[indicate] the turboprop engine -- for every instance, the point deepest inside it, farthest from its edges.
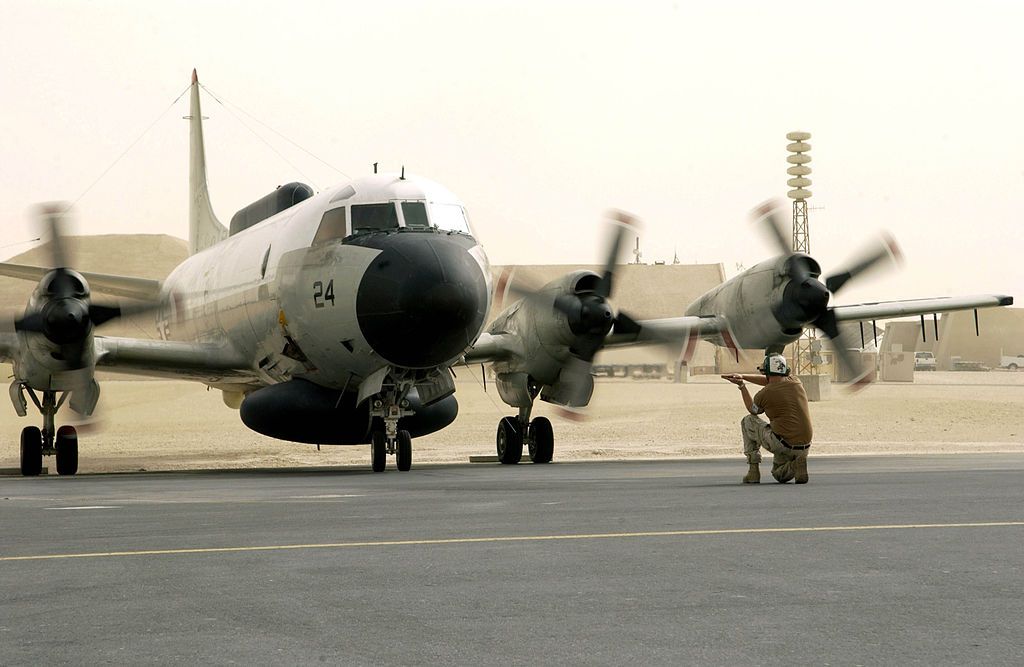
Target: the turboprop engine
(562, 327)
(771, 304)
(58, 325)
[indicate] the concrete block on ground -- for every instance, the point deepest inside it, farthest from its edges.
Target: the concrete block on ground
(818, 387)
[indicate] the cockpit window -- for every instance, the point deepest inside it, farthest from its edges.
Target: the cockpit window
(415, 213)
(449, 217)
(332, 226)
(373, 217)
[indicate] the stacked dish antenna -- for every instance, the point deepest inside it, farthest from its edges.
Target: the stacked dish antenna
(806, 349)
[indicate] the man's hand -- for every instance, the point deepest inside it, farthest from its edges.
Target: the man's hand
(735, 378)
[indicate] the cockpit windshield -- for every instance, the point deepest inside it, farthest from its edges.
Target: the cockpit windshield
(373, 217)
(449, 217)
(415, 214)
(385, 217)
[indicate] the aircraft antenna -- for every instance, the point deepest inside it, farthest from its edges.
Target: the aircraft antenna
(806, 349)
(375, 167)
(402, 177)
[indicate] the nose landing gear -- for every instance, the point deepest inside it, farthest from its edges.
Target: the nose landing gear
(386, 438)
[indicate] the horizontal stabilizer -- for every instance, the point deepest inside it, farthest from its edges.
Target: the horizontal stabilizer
(124, 286)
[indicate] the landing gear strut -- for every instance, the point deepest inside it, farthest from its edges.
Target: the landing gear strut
(48, 441)
(514, 432)
(386, 438)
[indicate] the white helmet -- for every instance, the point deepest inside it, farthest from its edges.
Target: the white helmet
(775, 364)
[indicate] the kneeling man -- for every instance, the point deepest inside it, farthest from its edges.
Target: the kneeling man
(788, 435)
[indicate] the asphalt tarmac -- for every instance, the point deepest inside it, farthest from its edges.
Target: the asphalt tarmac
(879, 560)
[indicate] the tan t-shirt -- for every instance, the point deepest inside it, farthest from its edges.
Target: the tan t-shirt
(785, 404)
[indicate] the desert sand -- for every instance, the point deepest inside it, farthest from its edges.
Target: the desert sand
(166, 425)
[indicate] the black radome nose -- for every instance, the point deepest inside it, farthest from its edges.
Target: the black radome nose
(423, 299)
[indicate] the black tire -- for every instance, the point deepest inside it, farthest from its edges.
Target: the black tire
(66, 444)
(378, 451)
(542, 440)
(403, 453)
(31, 451)
(1013, 367)
(509, 441)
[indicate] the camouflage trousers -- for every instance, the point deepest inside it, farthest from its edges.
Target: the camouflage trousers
(757, 434)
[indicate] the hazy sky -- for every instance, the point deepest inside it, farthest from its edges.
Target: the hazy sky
(541, 115)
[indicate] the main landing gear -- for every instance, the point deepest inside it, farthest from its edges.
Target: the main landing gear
(385, 436)
(49, 441)
(514, 432)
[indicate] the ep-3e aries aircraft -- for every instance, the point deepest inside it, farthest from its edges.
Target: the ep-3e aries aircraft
(335, 318)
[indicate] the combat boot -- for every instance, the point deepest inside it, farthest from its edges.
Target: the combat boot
(753, 475)
(800, 466)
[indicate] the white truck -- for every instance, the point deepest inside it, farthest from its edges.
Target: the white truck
(925, 361)
(1011, 363)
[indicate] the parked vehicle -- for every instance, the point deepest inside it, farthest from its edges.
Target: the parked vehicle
(1011, 363)
(925, 361)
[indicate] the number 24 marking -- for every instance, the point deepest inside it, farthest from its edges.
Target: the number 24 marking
(321, 295)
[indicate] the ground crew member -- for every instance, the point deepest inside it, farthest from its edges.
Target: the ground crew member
(788, 435)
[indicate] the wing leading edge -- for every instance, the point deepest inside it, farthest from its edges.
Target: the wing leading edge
(889, 309)
(203, 362)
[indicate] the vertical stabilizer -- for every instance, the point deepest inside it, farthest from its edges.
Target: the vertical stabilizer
(204, 229)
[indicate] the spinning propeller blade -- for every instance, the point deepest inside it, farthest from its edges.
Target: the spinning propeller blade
(806, 297)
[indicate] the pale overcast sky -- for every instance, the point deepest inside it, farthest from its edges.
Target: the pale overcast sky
(541, 115)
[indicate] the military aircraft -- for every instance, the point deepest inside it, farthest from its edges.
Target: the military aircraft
(336, 317)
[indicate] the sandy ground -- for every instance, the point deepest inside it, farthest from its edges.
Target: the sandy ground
(164, 425)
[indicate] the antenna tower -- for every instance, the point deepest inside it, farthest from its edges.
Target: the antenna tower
(805, 348)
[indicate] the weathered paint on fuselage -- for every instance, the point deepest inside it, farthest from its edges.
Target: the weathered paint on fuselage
(746, 302)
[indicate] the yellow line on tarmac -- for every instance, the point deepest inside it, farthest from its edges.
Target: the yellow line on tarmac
(516, 538)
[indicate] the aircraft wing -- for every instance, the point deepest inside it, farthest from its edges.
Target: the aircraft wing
(494, 347)
(203, 362)
(666, 330)
(500, 347)
(889, 309)
(134, 288)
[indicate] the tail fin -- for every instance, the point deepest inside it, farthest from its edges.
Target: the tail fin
(204, 230)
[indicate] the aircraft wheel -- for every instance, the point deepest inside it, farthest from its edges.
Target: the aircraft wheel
(378, 451)
(31, 451)
(403, 455)
(509, 440)
(542, 440)
(67, 450)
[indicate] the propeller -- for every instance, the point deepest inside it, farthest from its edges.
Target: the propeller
(66, 313)
(589, 315)
(805, 299)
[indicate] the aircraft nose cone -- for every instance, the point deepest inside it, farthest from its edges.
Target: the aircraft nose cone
(423, 299)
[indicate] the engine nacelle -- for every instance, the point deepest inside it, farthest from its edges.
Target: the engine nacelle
(301, 411)
(545, 333)
(753, 304)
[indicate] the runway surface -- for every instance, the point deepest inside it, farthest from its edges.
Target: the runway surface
(882, 560)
